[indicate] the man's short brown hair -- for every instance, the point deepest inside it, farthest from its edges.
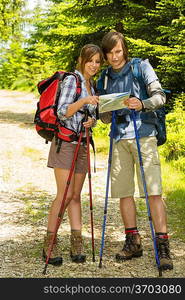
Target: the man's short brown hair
(110, 40)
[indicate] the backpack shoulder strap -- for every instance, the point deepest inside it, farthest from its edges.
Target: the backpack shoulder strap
(78, 83)
(103, 80)
(136, 71)
(135, 66)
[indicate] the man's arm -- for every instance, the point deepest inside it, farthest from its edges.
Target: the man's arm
(157, 97)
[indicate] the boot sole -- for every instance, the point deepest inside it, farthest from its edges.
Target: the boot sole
(56, 261)
(166, 267)
(138, 254)
(78, 258)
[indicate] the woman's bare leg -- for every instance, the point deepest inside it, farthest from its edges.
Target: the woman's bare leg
(61, 177)
(74, 207)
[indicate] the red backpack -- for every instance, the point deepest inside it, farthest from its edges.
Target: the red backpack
(46, 120)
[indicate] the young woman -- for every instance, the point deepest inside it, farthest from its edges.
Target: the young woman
(72, 114)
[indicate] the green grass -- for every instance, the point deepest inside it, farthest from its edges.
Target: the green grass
(174, 190)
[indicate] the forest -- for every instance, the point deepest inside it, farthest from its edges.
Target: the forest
(36, 43)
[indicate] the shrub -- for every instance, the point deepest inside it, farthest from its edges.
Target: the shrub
(174, 148)
(101, 129)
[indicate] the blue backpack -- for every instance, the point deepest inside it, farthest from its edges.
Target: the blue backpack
(157, 117)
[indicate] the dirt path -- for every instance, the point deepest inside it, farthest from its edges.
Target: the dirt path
(27, 189)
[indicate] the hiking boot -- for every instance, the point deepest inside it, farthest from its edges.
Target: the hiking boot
(164, 254)
(77, 247)
(132, 247)
(55, 257)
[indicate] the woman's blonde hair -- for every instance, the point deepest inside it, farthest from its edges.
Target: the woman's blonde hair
(86, 53)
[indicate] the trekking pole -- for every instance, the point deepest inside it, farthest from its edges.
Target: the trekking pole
(90, 191)
(62, 208)
(146, 193)
(107, 190)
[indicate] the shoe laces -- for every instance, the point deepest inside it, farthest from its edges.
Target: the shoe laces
(163, 248)
(129, 242)
(78, 245)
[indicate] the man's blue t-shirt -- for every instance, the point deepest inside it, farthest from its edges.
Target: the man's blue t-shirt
(124, 81)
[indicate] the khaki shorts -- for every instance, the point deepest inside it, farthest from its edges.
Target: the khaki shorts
(125, 164)
(64, 158)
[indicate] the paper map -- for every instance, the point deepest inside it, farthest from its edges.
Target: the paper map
(112, 102)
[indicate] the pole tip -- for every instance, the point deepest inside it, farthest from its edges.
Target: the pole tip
(44, 271)
(100, 264)
(160, 272)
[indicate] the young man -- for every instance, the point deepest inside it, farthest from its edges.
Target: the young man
(125, 155)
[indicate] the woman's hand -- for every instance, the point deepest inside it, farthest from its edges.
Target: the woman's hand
(89, 123)
(91, 100)
(133, 103)
(77, 105)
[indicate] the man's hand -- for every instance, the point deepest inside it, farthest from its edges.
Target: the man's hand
(133, 103)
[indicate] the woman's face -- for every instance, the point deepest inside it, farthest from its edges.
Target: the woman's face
(92, 66)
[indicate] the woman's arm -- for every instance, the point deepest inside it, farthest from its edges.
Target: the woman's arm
(67, 106)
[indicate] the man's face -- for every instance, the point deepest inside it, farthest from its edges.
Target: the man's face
(115, 57)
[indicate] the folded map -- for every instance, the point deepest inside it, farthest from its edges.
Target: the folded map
(110, 102)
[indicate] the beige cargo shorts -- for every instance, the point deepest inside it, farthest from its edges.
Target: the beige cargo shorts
(125, 165)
